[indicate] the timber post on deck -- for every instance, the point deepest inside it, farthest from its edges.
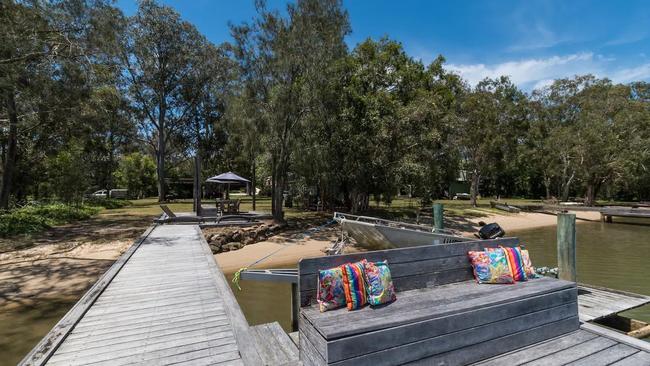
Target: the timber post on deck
(438, 216)
(566, 246)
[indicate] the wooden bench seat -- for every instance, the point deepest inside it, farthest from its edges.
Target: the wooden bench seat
(437, 323)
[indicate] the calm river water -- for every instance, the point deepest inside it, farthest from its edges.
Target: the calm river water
(610, 255)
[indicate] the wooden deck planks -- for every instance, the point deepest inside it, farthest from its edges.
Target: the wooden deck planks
(274, 345)
(168, 304)
(596, 302)
(589, 346)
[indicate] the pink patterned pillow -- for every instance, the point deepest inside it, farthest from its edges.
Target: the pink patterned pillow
(331, 294)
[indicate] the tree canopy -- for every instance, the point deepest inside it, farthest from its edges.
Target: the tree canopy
(93, 99)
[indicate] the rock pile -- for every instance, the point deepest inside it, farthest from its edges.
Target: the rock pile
(233, 238)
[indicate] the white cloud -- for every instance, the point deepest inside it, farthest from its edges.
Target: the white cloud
(641, 72)
(538, 72)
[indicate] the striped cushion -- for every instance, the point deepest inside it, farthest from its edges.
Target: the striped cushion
(354, 284)
(516, 263)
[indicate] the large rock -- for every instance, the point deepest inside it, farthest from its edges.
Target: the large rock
(233, 245)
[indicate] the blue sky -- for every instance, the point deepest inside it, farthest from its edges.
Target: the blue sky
(531, 41)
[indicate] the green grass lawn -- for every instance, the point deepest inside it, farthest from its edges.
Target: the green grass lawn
(401, 208)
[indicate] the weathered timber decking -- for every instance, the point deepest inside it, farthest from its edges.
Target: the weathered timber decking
(597, 302)
(593, 302)
(590, 346)
(274, 345)
(167, 303)
(606, 215)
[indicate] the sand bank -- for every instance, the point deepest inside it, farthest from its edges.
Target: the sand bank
(529, 220)
(62, 263)
(287, 249)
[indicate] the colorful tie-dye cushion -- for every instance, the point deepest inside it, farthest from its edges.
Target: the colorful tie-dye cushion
(499, 268)
(480, 265)
(515, 262)
(380, 283)
(331, 293)
(528, 265)
(354, 284)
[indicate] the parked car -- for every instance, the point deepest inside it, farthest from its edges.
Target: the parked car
(462, 196)
(113, 193)
(102, 193)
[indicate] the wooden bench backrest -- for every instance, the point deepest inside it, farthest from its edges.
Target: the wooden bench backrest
(167, 211)
(411, 268)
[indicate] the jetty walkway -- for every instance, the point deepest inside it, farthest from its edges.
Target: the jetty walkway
(165, 301)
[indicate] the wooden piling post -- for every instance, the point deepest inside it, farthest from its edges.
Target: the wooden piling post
(566, 246)
(295, 306)
(438, 216)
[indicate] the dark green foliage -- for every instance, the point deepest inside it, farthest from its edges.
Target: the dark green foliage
(108, 203)
(37, 218)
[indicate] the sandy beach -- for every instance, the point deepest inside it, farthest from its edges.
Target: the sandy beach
(287, 249)
(66, 261)
(62, 263)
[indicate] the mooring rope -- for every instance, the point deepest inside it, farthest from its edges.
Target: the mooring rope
(237, 276)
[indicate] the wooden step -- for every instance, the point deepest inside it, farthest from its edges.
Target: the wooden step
(274, 345)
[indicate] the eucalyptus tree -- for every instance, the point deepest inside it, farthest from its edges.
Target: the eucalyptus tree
(489, 127)
(48, 54)
(283, 57)
(167, 68)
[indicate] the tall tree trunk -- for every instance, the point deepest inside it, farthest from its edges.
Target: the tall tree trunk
(10, 159)
(547, 186)
(160, 162)
(162, 194)
(277, 197)
(473, 189)
(566, 187)
(589, 195)
(593, 186)
(253, 183)
(273, 183)
(280, 179)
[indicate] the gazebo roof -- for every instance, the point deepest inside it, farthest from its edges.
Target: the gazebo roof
(228, 177)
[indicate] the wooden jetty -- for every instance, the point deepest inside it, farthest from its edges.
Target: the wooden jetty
(442, 317)
(591, 345)
(598, 302)
(607, 214)
(164, 301)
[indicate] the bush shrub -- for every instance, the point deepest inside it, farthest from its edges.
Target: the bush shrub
(31, 219)
(19, 222)
(109, 203)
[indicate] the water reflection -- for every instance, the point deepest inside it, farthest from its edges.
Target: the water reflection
(22, 328)
(609, 255)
